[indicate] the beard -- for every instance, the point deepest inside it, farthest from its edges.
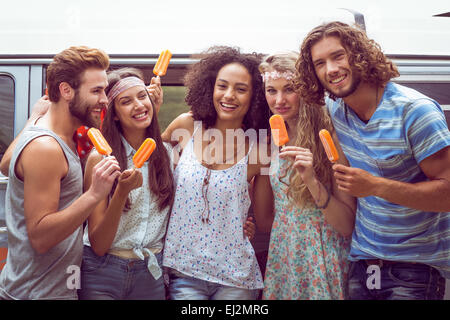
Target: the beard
(354, 85)
(82, 111)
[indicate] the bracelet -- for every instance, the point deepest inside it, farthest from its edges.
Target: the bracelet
(326, 202)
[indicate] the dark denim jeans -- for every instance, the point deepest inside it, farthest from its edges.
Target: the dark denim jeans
(113, 278)
(398, 281)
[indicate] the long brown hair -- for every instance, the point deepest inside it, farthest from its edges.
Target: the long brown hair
(159, 171)
(365, 56)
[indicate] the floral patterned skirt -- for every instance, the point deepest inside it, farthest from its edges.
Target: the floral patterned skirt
(307, 258)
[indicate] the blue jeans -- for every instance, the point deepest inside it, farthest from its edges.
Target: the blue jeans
(113, 278)
(397, 281)
(189, 288)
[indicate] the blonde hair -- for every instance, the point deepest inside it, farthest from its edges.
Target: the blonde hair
(311, 119)
(282, 61)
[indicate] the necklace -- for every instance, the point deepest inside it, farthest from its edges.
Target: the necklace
(207, 177)
(205, 187)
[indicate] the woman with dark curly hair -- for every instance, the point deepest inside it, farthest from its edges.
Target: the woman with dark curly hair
(206, 251)
(398, 145)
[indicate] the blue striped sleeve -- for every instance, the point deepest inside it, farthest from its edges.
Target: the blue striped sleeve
(426, 128)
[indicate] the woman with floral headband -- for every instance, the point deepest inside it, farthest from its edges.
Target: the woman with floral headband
(312, 219)
(125, 233)
(206, 252)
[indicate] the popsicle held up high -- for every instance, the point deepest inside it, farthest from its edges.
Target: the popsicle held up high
(278, 128)
(99, 141)
(144, 152)
(328, 145)
(161, 65)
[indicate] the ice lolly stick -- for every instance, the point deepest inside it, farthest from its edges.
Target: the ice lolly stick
(278, 128)
(328, 145)
(144, 152)
(161, 65)
(99, 141)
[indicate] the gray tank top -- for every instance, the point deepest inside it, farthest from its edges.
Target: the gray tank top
(27, 274)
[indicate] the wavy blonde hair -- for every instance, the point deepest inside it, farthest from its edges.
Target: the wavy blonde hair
(365, 56)
(311, 119)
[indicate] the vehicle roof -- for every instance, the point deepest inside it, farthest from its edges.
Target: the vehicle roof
(186, 27)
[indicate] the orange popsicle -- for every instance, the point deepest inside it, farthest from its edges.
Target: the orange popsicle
(144, 152)
(328, 145)
(99, 141)
(279, 132)
(161, 65)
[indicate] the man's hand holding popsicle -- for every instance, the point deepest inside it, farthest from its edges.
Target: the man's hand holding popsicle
(328, 145)
(107, 170)
(354, 181)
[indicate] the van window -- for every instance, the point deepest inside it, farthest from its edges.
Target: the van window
(6, 112)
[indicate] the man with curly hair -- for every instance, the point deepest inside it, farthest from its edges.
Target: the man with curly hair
(397, 142)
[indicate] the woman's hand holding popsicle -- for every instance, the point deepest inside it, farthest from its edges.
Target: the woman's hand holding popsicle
(303, 161)
(130, 179)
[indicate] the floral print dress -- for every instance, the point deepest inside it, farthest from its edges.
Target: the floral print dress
(307, 258)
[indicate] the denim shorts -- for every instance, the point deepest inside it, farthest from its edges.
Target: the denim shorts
(182, 287)
(397, 281)
(113, 278)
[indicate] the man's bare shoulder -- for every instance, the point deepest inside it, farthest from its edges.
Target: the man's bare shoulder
(42, 154)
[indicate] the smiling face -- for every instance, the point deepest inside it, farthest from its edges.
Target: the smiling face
(282, 98)
(232, 93)
(90, 97)
(331, 64)
(133, 109)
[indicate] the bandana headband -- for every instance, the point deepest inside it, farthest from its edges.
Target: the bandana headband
(274, 75)
(122, 85)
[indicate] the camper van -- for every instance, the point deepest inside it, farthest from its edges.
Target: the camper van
(418, 43)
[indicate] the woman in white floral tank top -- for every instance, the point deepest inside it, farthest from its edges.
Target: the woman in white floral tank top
(207, 254)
